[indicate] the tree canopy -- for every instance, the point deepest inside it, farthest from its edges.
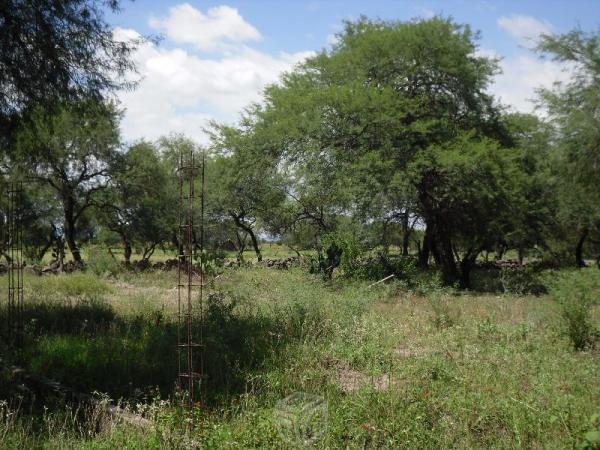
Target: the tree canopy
(57, 52)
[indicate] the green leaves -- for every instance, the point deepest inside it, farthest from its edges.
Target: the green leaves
(573, 109)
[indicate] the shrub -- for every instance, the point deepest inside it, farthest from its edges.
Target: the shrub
(426, 282)
(383, 265)
(486, 279)
(591, 438)
(349, 253)
(442, 317)
(325, 264)
(577, 293)
(211, 262)
(522, 280)
(102, 263)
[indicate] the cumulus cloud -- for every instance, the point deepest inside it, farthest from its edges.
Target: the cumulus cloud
(525, 29)
(220, 27)
(332, 39)
(523, 72)
(181, 87)
(521, 76)
(181, 91)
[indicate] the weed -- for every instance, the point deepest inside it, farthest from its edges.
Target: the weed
(578, 293)
(102, 263)
(443, 316)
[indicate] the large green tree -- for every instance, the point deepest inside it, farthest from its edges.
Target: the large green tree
(573, 109)
(245, 186)
(140, 204)
(71, 150)
(356, 120)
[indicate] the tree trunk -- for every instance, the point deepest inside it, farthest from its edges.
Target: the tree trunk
(450, 273)
(248, 229)
(175, 242)
(424, 251)
(406, 235)
(499, 252)
(70, 231)
(241, 247)
(255, 244)
(466, 265)
(127, 251)
(294, 250)
(384, 235)
(521, 255)
(148, 252)
(42, 252)
(440, 243)
(579, 249)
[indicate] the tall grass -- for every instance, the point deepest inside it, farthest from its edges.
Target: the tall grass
(398, 368)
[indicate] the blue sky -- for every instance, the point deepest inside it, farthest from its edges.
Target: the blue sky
(215, 57)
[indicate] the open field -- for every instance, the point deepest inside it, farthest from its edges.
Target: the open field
(397, 367)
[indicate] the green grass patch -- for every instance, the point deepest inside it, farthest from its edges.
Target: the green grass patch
(397, 368)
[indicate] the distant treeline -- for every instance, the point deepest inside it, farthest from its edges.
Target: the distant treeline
(391, 137)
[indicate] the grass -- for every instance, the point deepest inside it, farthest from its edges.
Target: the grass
(396, 368)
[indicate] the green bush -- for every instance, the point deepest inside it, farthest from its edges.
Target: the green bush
(578, 293)
(426, 282)
(443, 317)
(102, 263)
(211, 262)
(522, 280)
(376, 268)
(591, 438)
(355, 262)
(486, 279)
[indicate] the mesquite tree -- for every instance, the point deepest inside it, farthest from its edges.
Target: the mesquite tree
(71, 150)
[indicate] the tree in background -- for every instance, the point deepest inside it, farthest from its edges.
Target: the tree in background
(351, 124)
(141, 203)
(574, 111)
(245, 186)
(535, 224)
(40, 216)
(71, 151)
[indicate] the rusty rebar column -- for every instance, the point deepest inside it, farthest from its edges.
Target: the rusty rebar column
(14, 253)
(189, 312)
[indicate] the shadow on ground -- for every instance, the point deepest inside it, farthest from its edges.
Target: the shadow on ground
(87, 347)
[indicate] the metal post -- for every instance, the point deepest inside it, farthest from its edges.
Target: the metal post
(190, 362)
(14, 251)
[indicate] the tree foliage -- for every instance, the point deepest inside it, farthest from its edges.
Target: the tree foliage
(71, 150)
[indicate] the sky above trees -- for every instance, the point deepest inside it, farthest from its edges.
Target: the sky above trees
(214, 58)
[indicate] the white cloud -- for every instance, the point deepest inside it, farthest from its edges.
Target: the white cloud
(180, 91)
(521, 76)
(525, 29)
(332, 39)
(219, 27)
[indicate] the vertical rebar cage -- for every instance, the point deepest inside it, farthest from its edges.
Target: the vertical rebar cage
(190, 279)
(13, 241)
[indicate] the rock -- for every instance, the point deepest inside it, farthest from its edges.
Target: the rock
(281, 263)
